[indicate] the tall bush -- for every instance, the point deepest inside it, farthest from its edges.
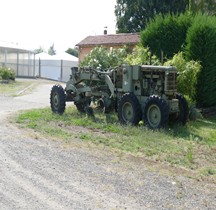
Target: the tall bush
(188, 72)
(201, 45)
(7, 73)
(141, 55)
(167, 34)
(101, 57)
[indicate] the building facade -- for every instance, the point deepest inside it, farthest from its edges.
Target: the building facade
(108, 41)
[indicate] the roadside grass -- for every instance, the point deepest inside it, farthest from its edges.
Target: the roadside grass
(192, 146)
(14, 88)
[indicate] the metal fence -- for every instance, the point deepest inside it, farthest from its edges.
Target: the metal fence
(24, 63)
(21, 61)
(59, 70)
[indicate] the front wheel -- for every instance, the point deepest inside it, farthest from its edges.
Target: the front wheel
(57, 99)
(129, 110)
(156, 112)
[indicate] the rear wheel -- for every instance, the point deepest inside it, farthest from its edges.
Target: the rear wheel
(156, 112)
(81, 106)
(182, 117)
(129, 110)
(57, 99)
(84, 101)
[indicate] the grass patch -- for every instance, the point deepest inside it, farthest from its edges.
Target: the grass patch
(192, 146)
(13, 87)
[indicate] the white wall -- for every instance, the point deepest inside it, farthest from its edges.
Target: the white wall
(54, 69)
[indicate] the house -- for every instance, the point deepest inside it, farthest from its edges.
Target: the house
(107, 40)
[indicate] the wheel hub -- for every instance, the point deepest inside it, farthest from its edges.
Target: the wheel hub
(127, 112)
(56, 100)
(154, 115)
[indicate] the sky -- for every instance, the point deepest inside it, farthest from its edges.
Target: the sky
(40, 23)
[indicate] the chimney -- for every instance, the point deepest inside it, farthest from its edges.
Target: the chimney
(105, 30)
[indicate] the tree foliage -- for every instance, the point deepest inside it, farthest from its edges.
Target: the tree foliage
(100, 57)
(39, 50)
(72, 51)
(133, 15)
(203, 6)
(201, 45)
(51, 50)
(188, 72)
(140, 56)
(196, 36)
(166, 34)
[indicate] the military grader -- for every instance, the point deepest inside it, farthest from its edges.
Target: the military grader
(137, 93)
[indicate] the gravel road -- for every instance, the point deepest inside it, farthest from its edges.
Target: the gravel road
(38, 173)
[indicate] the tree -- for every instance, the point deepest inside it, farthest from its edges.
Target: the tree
(72, 51)
(133, 15)
(39, 50)
(203, 6)
(51, 50)
(201, 45)
(166, 34)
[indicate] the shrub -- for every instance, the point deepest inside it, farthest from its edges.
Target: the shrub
(196, 35)
(7, 73)
(117, 56)
(167, 34)
(201, 45)
(100, 57)
(141, 55)
(188, 74)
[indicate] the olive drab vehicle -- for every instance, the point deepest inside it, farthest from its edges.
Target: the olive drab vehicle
(136, 93)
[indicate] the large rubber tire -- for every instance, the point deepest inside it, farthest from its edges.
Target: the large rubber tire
(57, 99)
(129, 109)
(82, 105)
(184, 110)
(156, 112)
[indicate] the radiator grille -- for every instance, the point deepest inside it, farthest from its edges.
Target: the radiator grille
(171, 83)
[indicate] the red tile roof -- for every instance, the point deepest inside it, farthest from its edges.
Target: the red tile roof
(113, 39)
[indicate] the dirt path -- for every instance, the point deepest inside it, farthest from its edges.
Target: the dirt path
(37, 173)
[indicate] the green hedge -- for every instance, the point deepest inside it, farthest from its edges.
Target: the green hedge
(196, 36)
(167, 34)
(201, 45)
